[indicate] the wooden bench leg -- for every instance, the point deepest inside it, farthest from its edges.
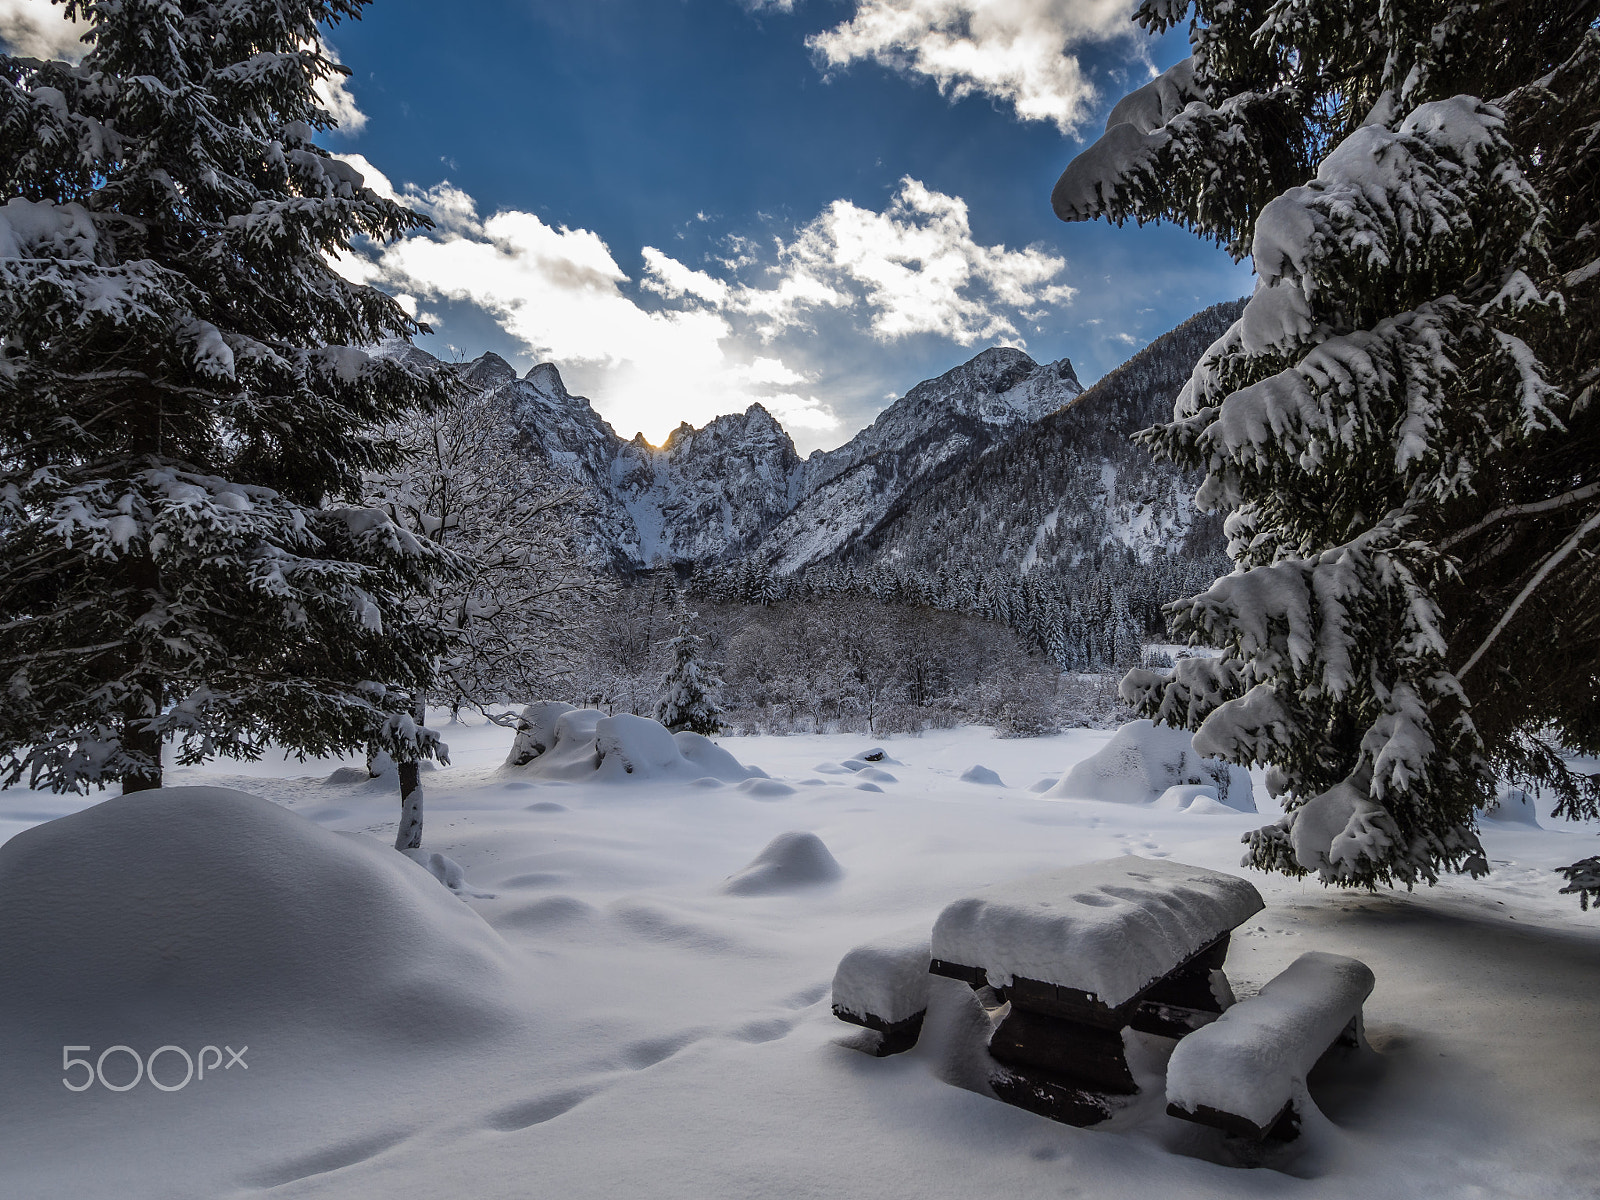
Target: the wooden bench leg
(1285, 1127)
(1082, 1055)
(1060, 1100)
(894, 1037)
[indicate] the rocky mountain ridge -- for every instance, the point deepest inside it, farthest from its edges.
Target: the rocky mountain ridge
(736, 487)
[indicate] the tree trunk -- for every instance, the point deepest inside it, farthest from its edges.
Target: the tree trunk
(139, 739)
(409, 836)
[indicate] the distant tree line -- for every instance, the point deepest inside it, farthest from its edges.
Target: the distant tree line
(1094, 619)
(799, 659)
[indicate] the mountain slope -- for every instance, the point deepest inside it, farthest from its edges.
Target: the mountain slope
(963, 412)
(1067, 489)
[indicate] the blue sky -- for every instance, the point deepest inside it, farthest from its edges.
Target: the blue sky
(690, 205)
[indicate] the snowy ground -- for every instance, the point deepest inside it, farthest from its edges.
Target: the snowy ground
(675, 1040)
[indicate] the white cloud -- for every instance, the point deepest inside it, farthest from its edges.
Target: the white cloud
(560, 292)
(1015, 51)
(334, 92)
(915, 266)
(668, 277)
(682, 343)
(40, 29)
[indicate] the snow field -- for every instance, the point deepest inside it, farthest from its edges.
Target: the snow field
(673, 1040)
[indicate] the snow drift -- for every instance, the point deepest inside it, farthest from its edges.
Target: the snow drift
(1142, 760)
(203, 908)
(790, 860)
(556, 741)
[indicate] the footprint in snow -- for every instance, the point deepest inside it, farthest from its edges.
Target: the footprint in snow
(330, 1158)
(538, 1110)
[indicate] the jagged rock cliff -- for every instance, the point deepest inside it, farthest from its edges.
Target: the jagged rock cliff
(736, 486)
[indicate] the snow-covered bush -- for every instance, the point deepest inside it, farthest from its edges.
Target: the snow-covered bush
(585, 744)
(180, 908)
(1144, 761)
(1400, 428)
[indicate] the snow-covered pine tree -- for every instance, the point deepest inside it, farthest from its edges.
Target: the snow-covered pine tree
(1402, 427)
(687, 689)
(182, 414)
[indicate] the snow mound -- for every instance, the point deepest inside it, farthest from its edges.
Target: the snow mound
(1203, 806)
(1513, 806)
(886, 978)
(766, 789)
(855, 764)
(709, 758)
(791, 860)
(705, 781)
(831, 769)
(1142, 760)
(1181, 796)
(586, 745)
(1251, 1060)
(383, 775)
(877, 776)
(954, 1041)
(866, 785)
(1045, 784)
(1108, 928)
(447, 871)
(536, 731)
(981, 774)
(877, 754)
(212, 911)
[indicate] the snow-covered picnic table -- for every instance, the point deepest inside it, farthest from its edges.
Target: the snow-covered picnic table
(1083, 953)
(1074, 958)
(1092, 939)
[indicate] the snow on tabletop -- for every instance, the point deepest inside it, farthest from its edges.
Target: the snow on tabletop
(1248, 1061)
(886, 977)
(1109, 928)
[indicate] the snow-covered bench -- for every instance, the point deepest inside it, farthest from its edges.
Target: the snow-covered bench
(882, 985)
(1082, 954)
(1241, 1073)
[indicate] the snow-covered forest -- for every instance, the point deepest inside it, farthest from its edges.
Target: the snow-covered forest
(1186, 782)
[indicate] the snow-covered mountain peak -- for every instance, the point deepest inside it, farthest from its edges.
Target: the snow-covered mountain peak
(488, 371)
(736, 486)
(547, 379)
(755, 427)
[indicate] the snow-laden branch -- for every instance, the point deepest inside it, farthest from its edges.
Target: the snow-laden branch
(1575, 496)
(1539, 576)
